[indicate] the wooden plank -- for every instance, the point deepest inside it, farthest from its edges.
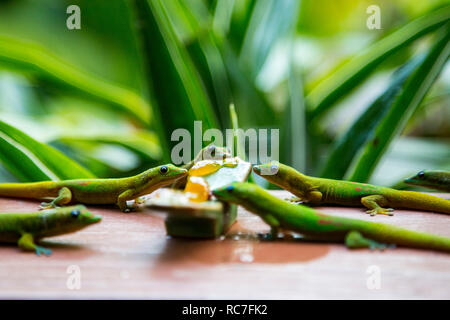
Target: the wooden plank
(129, 256)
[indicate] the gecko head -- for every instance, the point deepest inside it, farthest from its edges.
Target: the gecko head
(64, 220)
(421, 178)
(213, 152)
(236, 192)
(279, 174)
(268, 169)
(169, 171)
(81, 215)
(163, 175)
(229, 193)
(67, 219)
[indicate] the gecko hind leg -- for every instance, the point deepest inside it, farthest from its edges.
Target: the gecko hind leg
(26, 243)
(313, 197)
(274, 228)
(64, 197)
(293, 199)
(374, 203)
(122, 201)
(355, 240)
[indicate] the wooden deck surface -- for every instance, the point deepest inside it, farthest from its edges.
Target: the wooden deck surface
(129, 256)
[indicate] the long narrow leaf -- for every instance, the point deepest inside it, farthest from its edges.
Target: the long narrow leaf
(346, 147)
(205, 54)
(270, 20)
(413, 93)
(31, 160)
(239, 22)
(222, 15)
(245, 94)
(211, 67)
(296, 136)
(21, 163)
(350, 75)
(239, 147)
(143, 143)
(176, 85)
(32, 57)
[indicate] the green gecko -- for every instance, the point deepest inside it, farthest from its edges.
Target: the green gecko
(314, 225)
(210, 152)
(26, 228)
(434, 179)
(95, 191)
(318, 190)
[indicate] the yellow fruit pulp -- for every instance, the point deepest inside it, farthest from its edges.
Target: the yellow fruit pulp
(198, 186)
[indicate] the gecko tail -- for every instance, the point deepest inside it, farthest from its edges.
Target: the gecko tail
(33, 190)
(423, 201)
(405, 238)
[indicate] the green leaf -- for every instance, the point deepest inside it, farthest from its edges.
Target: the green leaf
(295, 137)
(222, 15)
(245, 94)
(211, 67)
(239, 147)
(32, 57)
(21, 163)
(31, 160)
(205, 53)
(293, 131)
(403, 107)
(270, 20)
(239, 22)
(144, 143)
(176, 86)
(351, 74)
(345, 148)
(408, 156)
(83, 154)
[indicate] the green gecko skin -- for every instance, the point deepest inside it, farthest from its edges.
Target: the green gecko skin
(284, 216)
(328, 191)
(210, 152)
(96, 191)
(433, 179)
(27, 228)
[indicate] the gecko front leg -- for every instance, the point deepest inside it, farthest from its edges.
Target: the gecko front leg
(64, 197)
(123, 198)
(274, 226)
(374, 203)
(355, 240)
(26, 243)
(314, 196)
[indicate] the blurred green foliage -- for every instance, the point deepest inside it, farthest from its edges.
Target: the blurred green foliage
(104, 100)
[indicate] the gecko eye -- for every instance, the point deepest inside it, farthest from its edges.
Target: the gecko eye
(273, 168)
(213, 152)
(229, 188)
(75, 213)
(421, 174)
(163, 169)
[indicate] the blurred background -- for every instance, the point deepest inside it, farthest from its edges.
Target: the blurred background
(350, 102)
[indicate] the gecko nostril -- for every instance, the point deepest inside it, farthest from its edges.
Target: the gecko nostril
(75, 213)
